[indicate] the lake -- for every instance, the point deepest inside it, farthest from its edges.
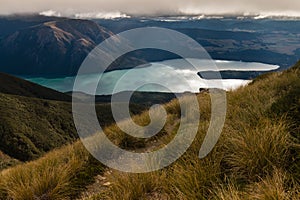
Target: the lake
(172, 74)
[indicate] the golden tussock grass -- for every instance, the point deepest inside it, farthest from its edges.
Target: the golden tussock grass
(257, 156)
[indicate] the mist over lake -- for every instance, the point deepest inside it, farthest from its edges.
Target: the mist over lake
(169, 72)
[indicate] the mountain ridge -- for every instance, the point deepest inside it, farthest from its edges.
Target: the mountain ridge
(54, 48)
(17, 86)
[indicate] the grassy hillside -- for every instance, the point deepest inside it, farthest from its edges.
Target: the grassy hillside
(35, 119)
(257, 156)
(30, 127)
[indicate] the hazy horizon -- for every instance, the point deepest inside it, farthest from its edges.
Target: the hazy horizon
(120, 8)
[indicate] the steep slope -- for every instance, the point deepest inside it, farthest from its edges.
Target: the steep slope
(30, 124)
(53, 48)
(257, 156)
(30, 127)
(35, 119)
(289, 102)
(50, 48)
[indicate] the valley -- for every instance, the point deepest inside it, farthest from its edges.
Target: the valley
(260, 138)
(52, 133)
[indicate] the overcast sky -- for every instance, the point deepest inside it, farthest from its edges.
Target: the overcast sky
(152, 7)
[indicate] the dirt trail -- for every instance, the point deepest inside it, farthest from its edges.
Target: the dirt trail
(102, 183)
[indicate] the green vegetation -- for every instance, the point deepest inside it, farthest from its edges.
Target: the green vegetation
(257, 156)
(35, 119)
(30, 127)
(6, 161)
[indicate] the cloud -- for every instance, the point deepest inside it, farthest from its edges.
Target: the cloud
(150, 7)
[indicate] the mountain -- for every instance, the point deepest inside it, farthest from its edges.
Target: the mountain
(12, 23)
(34, 45)
(55, 47)
(228, 37)
(52, 48)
